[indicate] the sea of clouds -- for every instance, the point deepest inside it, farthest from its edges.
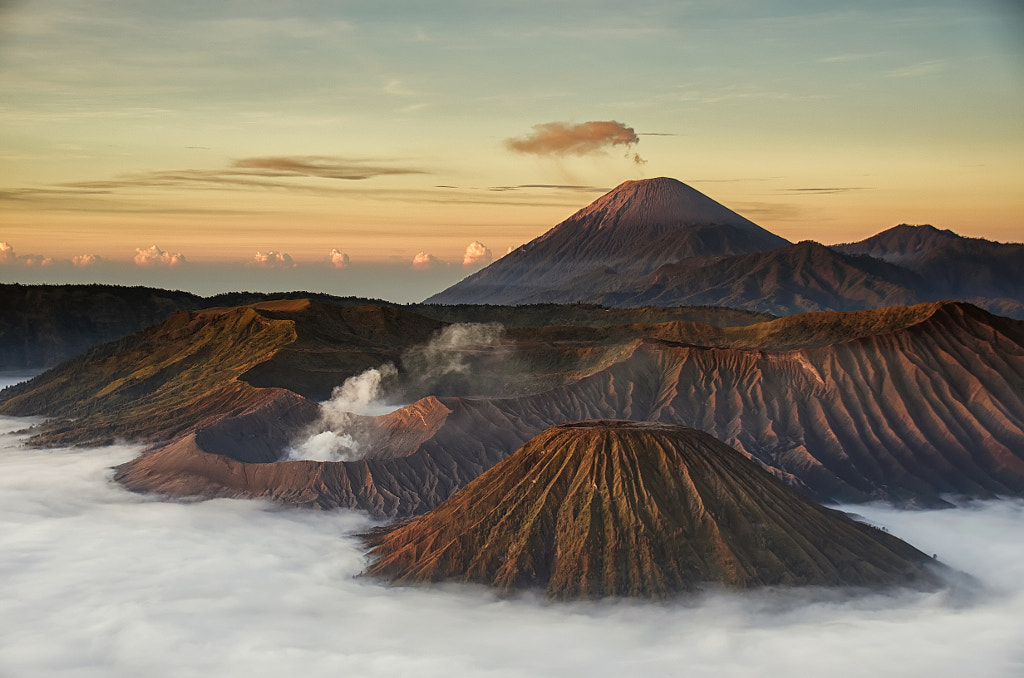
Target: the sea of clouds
(98, 581)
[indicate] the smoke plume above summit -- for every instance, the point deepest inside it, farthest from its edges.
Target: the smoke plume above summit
(563, 138)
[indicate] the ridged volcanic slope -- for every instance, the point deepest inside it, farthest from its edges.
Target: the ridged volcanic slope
(614, 508)
(913, 405)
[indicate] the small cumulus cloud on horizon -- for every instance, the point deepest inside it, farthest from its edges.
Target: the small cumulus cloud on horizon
(8, 257)
(153, 256)
(86, 260)
(477, 254)
(339, 259)
(563, 138)
(272, 259)
(424, 261)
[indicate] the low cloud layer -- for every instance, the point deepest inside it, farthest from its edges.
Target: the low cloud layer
(98, 581)
(563, 138)
(153, 256)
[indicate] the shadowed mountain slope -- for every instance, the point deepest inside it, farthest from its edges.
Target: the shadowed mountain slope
(614, 508)
(799, 278)
(973, 269)
(901, 404)
(200, 367)
(901, 244)
(43, 325)
(621, 236)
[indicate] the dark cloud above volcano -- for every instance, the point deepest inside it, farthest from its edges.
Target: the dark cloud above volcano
(563, 138)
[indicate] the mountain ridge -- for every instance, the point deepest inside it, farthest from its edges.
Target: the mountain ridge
(708, 255)
(907, 405)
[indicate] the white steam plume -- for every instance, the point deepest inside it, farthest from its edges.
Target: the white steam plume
(448, 352)
(331, 438)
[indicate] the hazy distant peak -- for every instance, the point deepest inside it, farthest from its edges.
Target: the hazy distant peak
(901, 242)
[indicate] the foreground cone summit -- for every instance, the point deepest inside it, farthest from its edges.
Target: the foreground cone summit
(620, 508)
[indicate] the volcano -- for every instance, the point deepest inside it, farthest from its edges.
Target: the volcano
(621, 508)
(660, 242)
(620, 237)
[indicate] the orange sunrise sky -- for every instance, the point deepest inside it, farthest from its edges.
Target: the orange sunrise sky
(325, 145)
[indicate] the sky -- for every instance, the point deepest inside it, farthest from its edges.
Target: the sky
(96, 581)
(388, 148)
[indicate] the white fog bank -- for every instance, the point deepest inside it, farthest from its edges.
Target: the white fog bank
(96, 582)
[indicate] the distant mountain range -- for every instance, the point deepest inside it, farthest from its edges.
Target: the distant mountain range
(660, 242)
(43, 325)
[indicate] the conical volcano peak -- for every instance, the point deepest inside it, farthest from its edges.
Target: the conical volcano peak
(659, 201)
(622, 508)
(615, 241)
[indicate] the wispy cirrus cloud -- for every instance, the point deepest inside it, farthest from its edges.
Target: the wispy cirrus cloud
(919, 69)
(848, 56)
(267, 172)
(560, 187)
(325, 167)
(824, 190)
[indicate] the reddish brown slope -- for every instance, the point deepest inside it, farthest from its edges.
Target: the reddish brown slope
(619, 508)
(910, 407)
(936, 407)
